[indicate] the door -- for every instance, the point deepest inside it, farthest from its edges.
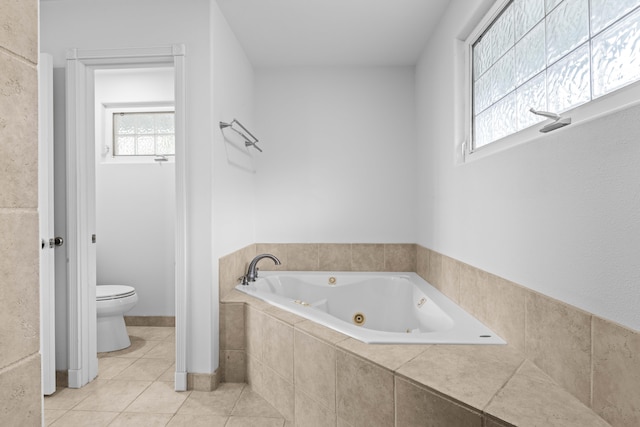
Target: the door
(45, 213)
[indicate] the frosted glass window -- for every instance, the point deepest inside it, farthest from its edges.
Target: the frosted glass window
(550, 55)
(143, 134)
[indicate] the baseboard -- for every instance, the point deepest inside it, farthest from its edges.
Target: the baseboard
(150, 320)
(62, 379)
(203, 382)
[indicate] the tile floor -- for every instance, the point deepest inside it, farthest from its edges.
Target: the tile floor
(135, 388)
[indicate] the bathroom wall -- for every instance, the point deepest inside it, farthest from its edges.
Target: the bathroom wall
(559, 215)
(20, 390)
(339, 162)
(135, 202)
(67, 24)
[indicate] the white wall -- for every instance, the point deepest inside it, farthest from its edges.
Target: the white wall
(135, 202)
(338, 162)
(560, 215)
(100, 24)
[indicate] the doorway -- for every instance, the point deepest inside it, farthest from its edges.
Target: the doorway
(82, 68)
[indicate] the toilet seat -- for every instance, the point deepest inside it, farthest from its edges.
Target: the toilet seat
(111, 292)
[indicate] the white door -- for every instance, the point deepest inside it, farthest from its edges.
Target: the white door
(45, 212)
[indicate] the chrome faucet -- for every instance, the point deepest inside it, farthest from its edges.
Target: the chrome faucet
(252, 271)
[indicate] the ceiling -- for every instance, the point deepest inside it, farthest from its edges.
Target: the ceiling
(289, 33)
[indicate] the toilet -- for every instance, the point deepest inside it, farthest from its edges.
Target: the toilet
(112, 301)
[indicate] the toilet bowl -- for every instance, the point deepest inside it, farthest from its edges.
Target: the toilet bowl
(112, 301)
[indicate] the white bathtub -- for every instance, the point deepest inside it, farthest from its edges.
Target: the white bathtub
(391, 308)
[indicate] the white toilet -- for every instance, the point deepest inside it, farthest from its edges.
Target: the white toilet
(112, 301)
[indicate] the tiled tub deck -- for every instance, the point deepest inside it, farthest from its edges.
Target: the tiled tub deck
(318, 377)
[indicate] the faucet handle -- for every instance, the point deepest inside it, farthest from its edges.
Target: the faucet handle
(243, 280)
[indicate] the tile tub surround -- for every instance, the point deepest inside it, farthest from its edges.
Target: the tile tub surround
(20, 391)
(585, 355)
(315, 376)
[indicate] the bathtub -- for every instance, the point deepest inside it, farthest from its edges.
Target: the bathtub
(376, 308)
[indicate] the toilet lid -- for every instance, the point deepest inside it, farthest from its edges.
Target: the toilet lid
(106, 292)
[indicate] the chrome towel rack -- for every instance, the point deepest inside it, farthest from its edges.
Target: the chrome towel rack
(249, 141)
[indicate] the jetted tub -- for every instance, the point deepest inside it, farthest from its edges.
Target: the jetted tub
(380, 308)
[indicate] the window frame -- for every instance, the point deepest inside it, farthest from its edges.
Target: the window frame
(106, 156)
(615, 101)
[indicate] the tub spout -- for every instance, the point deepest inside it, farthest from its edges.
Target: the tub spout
(252, 271)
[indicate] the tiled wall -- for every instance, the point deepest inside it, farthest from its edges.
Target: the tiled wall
(595, 360)
(20, 392)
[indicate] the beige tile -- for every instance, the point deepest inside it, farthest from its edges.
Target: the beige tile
(302, 257)
(109, 367)
(150, 333)
(229, 272)
(364, 392)
(254, 375)
(473, 285)
(435, 269)
(169, 375)
(285, 316)
(201, 381)
(51, 415)
(67, 398)
(322, 332)
(84, 419)
(158, 321)
(400, 257)
(20, 325)
(112, 395)
(130, 419)
(164, 350)
(415, 406)
(422, 262)
(189, 420)
(367, 257)
(145, 370)
(558, 340)
(335, 257)
(137, 349)
(18, 134)
(20, 394)
(217, 402)
(278, 392)
(310, 413)
(254, 422)
(159, 398)
(233, 366)
(251, 404)
(343, 423)
(531, 398)
(315, 369)
(277, 347)
(470, 374)
(20, 29)
(450, 278)
(232, 326)
(278, 250)
(254, 319)
(490, 422)
(389, 356)
(616, 373)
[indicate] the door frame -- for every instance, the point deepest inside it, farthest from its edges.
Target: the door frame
(80, 146)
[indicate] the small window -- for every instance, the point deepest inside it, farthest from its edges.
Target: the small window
(549, 55)
(143, 134)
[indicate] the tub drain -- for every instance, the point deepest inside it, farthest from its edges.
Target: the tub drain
(359, 319)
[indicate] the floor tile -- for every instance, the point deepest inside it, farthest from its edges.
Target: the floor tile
(251, 404)
(129, 419)
(149, 333)
(67, 398)
(85, 419)
(137, 349)
(50, 415)
(164, 350)
(113, 396)
(254, 422)
(190, 420)
(145, 370)
(218, 402)
(158, 398)
(169, 375)
(109, 367)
